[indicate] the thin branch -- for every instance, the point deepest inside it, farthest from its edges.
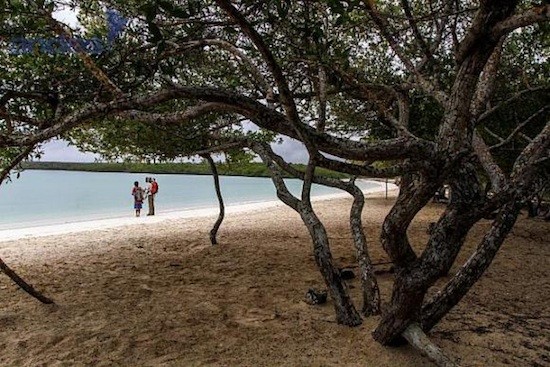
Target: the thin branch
(95, 70)
(385, 29)
(254, 36)
(417, 35)
(485, 115)
(519, 127)
(257, 74)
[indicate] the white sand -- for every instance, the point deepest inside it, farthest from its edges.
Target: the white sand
(100, 224)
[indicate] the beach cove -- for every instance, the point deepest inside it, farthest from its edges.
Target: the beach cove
(160, 295)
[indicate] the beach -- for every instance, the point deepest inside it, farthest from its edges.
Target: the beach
(154, 292)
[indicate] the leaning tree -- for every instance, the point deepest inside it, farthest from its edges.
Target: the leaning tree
(434, 90)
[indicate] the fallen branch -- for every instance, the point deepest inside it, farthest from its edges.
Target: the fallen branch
(24, 285)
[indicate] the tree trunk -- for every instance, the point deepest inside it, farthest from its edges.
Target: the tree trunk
(412, 197)
(444, 300)
(216, 227)
(346, 314)
(404, 308)
(371, 293)
(446, 239)
(24, 285)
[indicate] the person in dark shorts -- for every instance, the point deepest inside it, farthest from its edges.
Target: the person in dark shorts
(138, 194)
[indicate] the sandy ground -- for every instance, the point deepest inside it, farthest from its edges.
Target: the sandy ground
(160, 295)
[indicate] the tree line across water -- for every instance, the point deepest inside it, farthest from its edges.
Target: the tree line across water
(248, 169)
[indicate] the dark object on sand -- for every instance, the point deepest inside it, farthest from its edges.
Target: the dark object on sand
(315, 297)
(347, 274)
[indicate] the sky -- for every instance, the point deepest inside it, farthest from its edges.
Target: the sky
(60, 151)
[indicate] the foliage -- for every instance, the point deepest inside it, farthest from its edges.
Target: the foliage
(247, 169)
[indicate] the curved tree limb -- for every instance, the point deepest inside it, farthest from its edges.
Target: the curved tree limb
(262, 115)
(371, 293)
(536, 14)
(221, 215)
(22, 156)
(346, 313)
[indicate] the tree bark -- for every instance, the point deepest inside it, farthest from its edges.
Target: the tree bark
(346, 313)
(413, 280)
(24, 285)
(218, 223)
(443, 301)
(412, 197)
(416, 337)
(371, 292)
(403, 310)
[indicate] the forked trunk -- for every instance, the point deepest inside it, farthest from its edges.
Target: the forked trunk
(444, 300)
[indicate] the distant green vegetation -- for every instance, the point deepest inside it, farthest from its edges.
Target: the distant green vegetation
(233, 169)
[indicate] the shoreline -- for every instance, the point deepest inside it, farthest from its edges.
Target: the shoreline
(114, 222)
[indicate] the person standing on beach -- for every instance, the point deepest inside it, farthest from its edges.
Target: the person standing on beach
(152, 189)
(138, 194)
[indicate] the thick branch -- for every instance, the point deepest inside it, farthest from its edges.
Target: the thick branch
(537, 14)
(254, 36)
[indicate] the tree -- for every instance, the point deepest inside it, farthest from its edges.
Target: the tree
(420, 86)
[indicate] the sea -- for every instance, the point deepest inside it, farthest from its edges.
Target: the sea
(39, 198)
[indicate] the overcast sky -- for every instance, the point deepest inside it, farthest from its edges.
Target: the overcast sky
(59, 151)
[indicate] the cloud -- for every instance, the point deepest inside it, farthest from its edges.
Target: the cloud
(60, 151)
(291, 150)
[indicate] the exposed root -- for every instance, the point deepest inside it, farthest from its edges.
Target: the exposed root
(419, 340)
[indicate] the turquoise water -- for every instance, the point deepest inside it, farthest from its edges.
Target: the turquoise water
(52, 197)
